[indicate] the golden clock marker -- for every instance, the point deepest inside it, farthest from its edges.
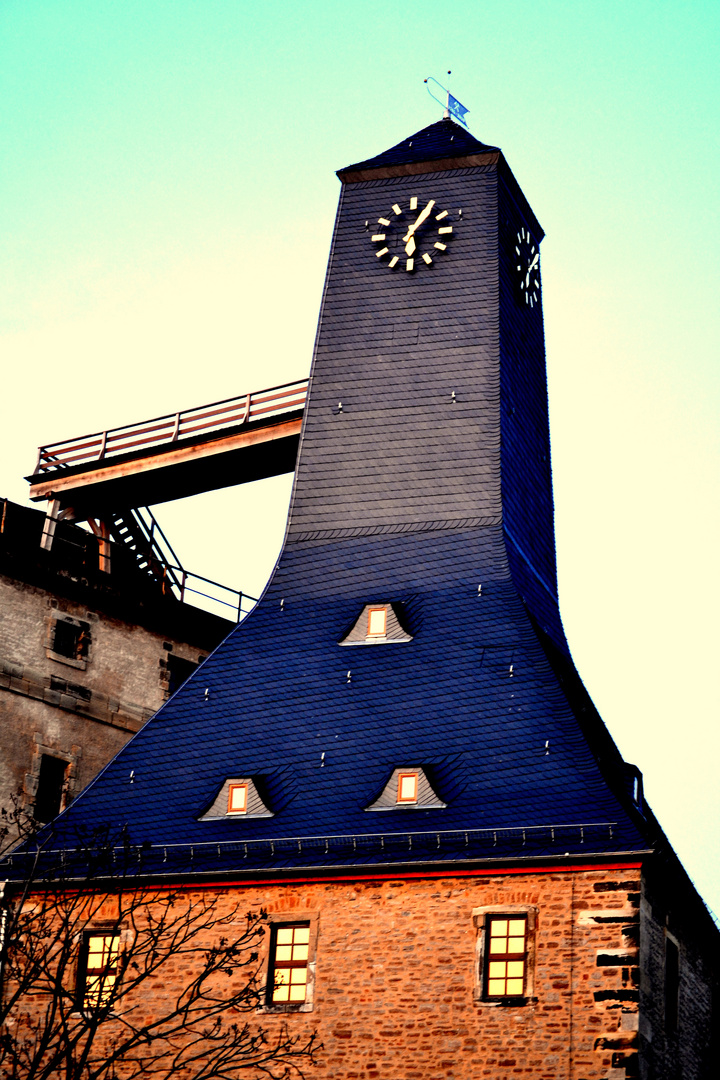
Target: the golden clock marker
(394, 261)
(440, 216)
(383, 221)
(413, 203)
(439, 246)
(378, 236)
(409, 264)
(447, 229)
(427, 259)
(396, 210)
(382, 251)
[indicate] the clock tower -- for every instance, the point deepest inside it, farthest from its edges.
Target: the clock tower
(393, 755)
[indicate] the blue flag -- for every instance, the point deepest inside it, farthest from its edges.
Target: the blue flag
(456, 110)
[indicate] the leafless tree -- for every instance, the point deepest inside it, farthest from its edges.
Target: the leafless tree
(171, 989)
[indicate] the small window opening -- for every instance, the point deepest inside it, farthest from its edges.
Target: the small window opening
(287, 977)
(97, 970)
(407, 788)
(237, 799)
(71, 639)
(50, 789)
(179, 671)
(65, 687)
(672, 984)
(377, 622)
(506, 957)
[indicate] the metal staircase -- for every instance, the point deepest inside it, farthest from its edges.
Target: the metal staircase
(139, 533)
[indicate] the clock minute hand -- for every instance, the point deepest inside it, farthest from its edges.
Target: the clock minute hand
(425, 213)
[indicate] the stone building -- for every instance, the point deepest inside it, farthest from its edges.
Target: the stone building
(86, 657)
(394, 754)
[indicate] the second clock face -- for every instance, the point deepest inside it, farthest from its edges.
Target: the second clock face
(411, 234)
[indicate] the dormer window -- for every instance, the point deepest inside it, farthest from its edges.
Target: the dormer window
(377, 622)
(237, 799)
(407, 788)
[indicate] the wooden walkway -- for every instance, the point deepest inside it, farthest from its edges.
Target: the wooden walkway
(171, 457)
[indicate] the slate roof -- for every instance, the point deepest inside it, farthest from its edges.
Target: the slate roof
(444, 139)
(429, 490)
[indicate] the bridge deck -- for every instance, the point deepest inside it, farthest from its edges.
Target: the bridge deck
(170, 457)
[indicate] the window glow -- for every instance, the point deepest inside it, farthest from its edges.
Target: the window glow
(289, 964)
(377, 622)
(407, 788)
(237, 799)
(100, 969)
(506, 957)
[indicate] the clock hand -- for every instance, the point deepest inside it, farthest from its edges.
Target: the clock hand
(418, 223)
(410, 246)
(532, 264)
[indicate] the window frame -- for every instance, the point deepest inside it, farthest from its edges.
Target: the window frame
(279, 921)
(62, 794)
(81, 980)
(404, 775)
(482, 919)
(243, 786)
(84, 641)
(375, 609)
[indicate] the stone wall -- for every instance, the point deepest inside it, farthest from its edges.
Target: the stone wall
(395, 977)
(679, 1036)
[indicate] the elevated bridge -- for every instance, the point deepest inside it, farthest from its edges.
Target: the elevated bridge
(109, 478)
(171, 457)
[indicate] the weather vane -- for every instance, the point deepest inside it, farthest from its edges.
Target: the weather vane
(451, 104)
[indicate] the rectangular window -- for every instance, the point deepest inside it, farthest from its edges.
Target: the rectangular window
(672, 984)
(178, 671)
(51, 785)
(71, 639)
(506, 957)
(97, 971)
(377, 622)
(237, 799)
(288, 971)
(407, 787)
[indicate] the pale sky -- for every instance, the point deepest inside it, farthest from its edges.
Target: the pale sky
(167, 196)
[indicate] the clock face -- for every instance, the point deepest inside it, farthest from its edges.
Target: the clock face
(527, 265)
(411, 234)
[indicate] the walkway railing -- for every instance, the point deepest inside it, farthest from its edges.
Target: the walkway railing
(208, 420)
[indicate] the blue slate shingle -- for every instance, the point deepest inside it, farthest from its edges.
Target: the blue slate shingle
(409, 498)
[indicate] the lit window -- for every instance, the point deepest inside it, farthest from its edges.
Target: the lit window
(288, 973)
(98, 970)
(377, 622)
(506, 957)
(237, 799)
(407, 787)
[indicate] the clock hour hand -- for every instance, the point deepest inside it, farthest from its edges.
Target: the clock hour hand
(410, 246)
(425, 213)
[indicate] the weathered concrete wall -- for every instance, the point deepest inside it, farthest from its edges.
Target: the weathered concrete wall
(82, 713)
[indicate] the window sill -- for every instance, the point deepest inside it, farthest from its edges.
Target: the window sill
(68, 660)
(288, 1007)
(505, 1003)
